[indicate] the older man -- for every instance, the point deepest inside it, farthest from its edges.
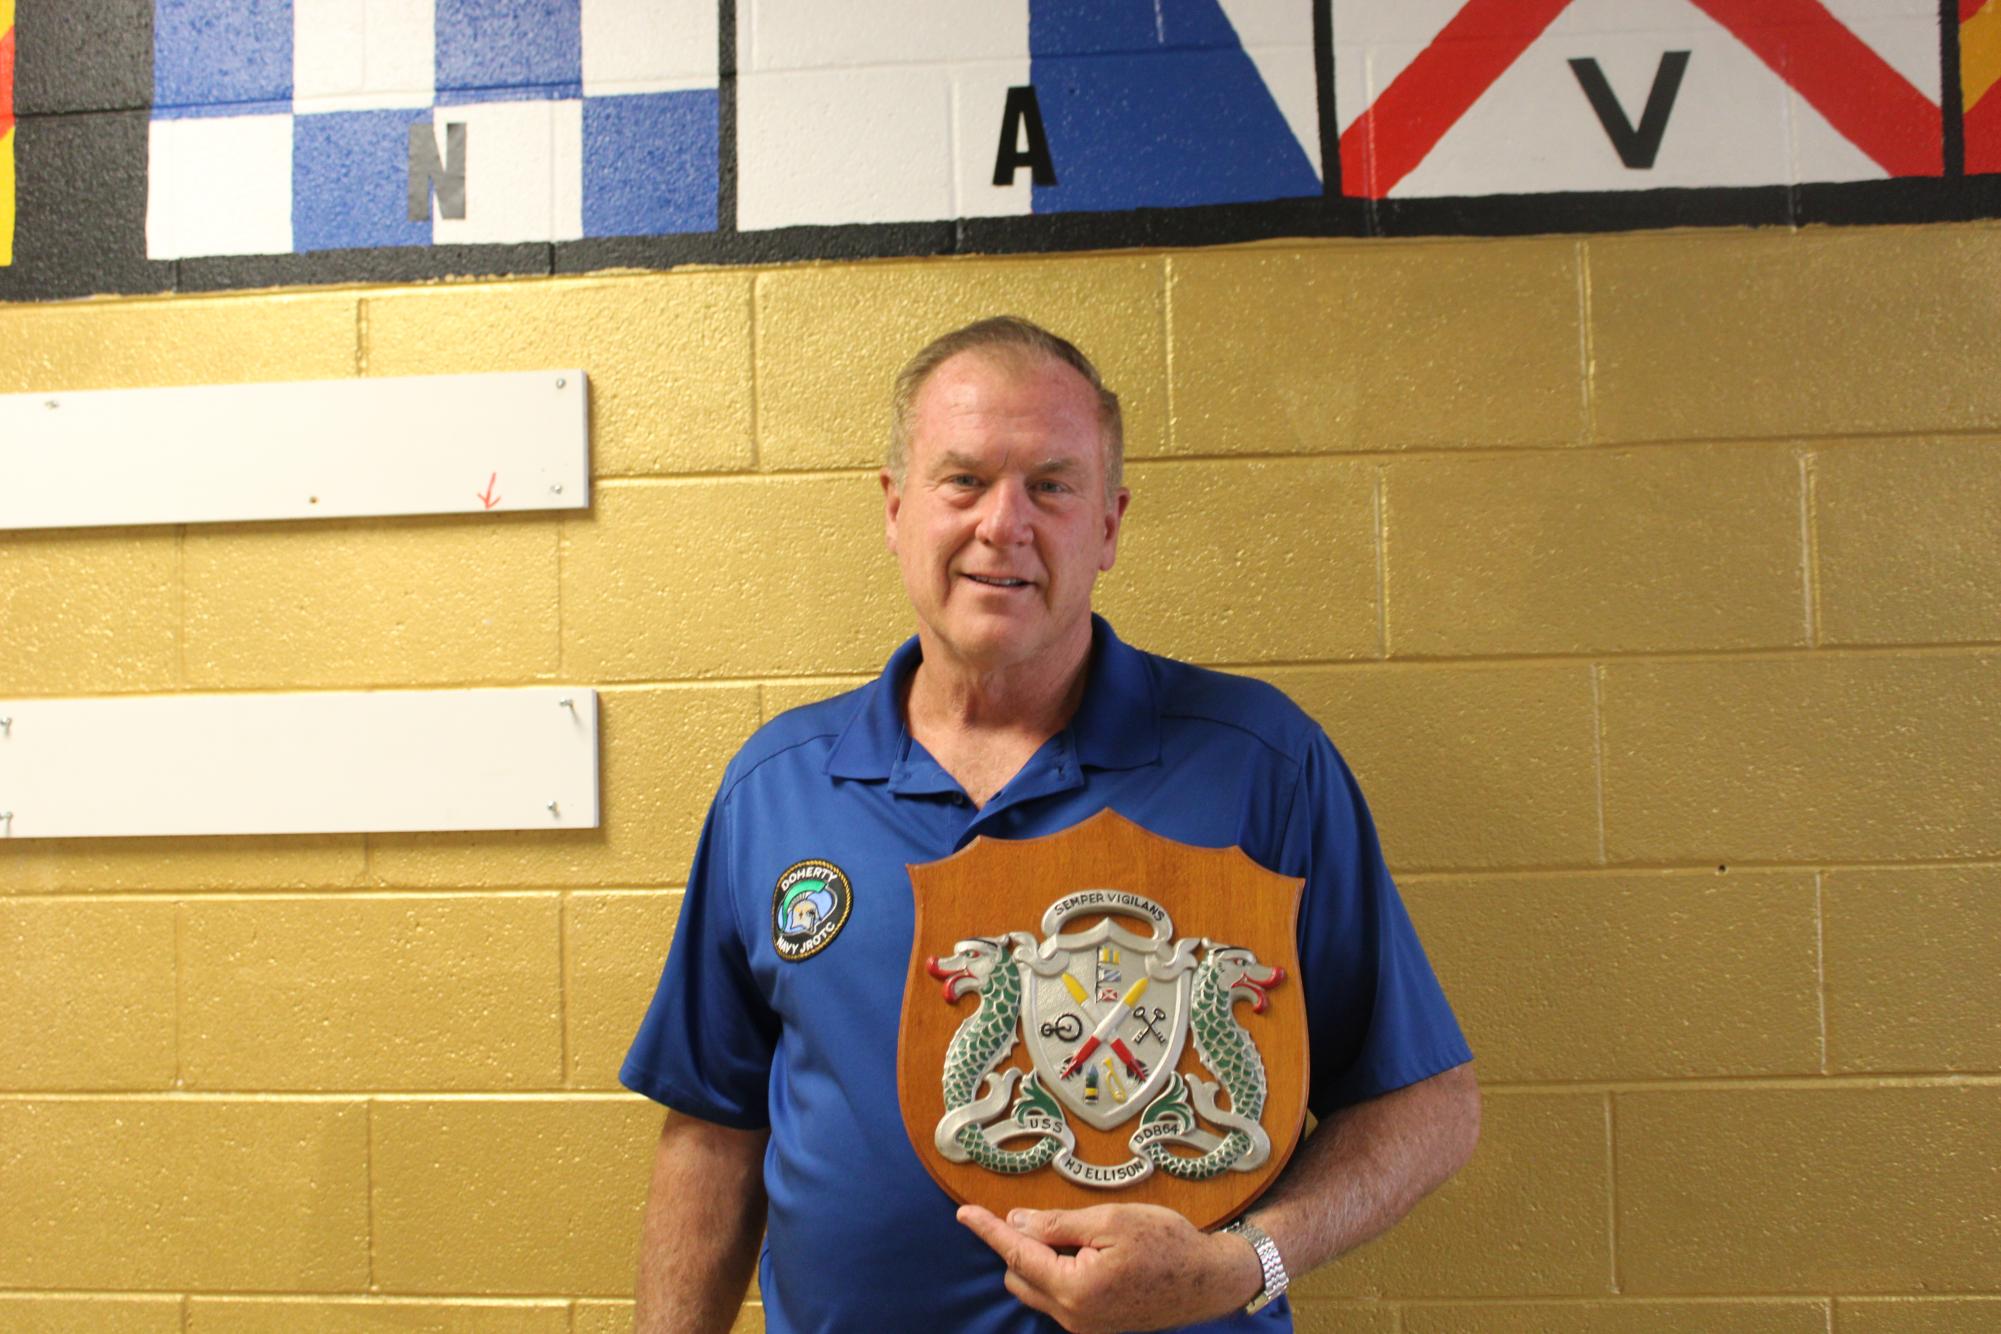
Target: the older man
(1014, 712)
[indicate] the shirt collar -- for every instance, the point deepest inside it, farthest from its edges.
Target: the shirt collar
(1117, 725)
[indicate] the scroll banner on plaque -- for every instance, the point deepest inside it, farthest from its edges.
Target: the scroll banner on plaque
(1102, 1015)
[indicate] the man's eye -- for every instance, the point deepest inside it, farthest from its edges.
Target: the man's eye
(962, 479)
(1051, 488)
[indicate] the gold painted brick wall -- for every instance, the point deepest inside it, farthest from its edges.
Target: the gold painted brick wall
(1648, 582)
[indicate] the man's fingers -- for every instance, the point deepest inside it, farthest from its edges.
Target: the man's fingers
(1060, 1227)
(1023, 1254)
(1029, 1295)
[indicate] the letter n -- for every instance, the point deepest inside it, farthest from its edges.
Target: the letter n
(426, 172)
(1022, 118)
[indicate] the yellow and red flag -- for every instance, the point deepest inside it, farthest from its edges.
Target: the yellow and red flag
(6, 132)
(1980, 82)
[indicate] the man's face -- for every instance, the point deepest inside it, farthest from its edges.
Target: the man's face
(1001, 525)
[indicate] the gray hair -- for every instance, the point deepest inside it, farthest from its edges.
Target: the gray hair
(1007, 336)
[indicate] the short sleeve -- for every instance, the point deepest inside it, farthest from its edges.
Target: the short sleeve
(706, 1044)
(1376, 1016)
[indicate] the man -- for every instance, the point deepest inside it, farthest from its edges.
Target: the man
(1014, 712)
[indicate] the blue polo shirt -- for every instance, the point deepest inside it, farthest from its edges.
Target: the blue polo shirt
(858, 1235)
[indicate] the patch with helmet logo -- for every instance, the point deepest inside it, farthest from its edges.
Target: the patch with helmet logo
(808, 908)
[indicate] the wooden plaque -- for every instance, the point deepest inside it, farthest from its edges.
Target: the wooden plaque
(1103, 1015)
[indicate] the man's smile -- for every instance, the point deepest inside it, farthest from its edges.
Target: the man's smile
(997, 581)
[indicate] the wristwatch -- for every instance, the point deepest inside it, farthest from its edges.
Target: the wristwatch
(1268, 1260)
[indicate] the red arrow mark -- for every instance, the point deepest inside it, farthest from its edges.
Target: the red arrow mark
(486, 497)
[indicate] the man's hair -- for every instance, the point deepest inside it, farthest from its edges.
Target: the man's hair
(1007, 336)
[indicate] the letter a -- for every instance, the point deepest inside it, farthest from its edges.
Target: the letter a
(1023, 113)
(426, 171)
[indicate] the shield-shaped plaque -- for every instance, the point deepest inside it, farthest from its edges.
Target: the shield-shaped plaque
(1103, 1014)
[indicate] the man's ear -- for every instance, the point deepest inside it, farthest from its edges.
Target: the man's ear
(892, 500)
(1115, 517)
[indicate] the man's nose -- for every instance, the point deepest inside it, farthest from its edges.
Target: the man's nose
(1007, 515)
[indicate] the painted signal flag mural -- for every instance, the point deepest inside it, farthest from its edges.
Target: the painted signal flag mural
(1980, 82)
(1479, 97)
(231, 143)
(317, 125)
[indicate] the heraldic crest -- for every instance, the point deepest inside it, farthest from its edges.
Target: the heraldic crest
(1105, 1051)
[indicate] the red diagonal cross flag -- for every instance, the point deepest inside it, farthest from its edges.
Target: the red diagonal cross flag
(1854, 89)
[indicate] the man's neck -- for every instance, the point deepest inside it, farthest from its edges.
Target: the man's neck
(1037, 698)
(982, 726)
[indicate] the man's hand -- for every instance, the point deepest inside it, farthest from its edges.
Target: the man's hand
(1136, 1266)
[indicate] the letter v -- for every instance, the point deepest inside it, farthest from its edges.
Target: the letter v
(1637, 148)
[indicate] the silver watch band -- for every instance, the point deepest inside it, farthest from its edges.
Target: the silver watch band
(1276, 1278)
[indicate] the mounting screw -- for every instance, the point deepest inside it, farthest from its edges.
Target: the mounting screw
(554, 812)
(569, 704)
(561, 382)
(8, 817)
(556, 489)
(51, 405)
(6, 727)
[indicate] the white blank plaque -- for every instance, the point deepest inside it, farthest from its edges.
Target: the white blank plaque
(433, 444)
(332, 762)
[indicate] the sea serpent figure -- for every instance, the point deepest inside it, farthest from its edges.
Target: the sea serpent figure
(1227, 975)
(985, 964)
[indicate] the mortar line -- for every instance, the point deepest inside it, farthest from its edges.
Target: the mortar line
(563, 987)
(180, 994)
(1587, 351)
(630, 887)
(1847, 440)
(512, 1300)
(1872, 1081)
(1902, 652)
(329, 1296)
(756, 454)
(1172, 430)
(187, 1300)
(1598, 754)
(368, 1184)
(1612, 1190)
(1810, 544)
(181, 605)
(353, 1097)
(1820, 964)
(305, 897)
(1686, 1298)
(1827, 1311)
(1341, 1303)
(1382, 566)
(361, 336)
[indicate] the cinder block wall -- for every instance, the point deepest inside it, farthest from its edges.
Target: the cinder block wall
(1647, 581)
